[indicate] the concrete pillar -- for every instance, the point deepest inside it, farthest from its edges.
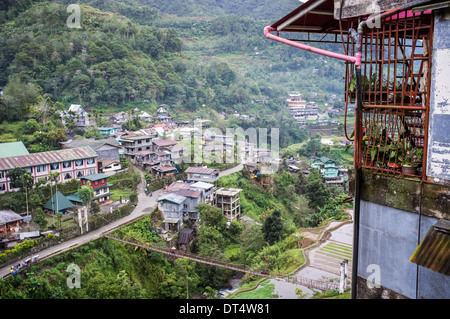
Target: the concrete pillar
(342, 279)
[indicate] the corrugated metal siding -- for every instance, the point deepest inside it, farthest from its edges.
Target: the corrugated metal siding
(47, 157)
(434, 250)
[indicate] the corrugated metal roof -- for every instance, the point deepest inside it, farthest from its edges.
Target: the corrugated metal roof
(63, 202)
(164, 168)
(95, 177)
(172, 197)
(434, 250)
(47, 157)
(188, 193)
(93, 143)
(312, 16)
(201, 170)
(185, 235)
(163, 143)
(202, 185)
(12, 149)
(8, 216)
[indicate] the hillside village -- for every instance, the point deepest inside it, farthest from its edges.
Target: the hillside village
(161, 148)
(200, 150)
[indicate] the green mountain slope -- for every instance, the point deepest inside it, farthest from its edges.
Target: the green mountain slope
(127, 54)
(257, 9)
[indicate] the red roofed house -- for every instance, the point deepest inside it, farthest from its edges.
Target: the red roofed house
(160, 128)
(100, 185)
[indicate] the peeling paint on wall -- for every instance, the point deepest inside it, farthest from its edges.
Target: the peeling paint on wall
(438, 154)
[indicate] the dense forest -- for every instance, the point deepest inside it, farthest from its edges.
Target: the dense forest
(206, 58)
(127, 54)
(257, 9)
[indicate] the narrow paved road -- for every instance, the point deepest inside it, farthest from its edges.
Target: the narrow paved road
(145, 205)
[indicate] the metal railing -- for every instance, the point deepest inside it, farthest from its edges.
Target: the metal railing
(396, 75)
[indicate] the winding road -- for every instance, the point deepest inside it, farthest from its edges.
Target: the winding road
(145, 205)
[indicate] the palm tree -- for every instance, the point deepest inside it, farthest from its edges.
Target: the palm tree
(27, 182)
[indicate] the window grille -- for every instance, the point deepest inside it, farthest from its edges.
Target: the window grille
(396, 60)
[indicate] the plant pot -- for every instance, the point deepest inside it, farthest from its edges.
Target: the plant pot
(409, 169)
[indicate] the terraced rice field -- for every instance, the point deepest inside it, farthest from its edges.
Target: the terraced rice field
(337, 250)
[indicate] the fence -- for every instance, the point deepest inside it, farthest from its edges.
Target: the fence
(395, 93)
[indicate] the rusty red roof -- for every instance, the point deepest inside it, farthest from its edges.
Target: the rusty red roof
(188, 193)
(164, 169)
(162, 143)
(315, 16)
(47, 157)
(201, 170)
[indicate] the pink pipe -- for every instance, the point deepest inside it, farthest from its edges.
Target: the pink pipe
(353, 59)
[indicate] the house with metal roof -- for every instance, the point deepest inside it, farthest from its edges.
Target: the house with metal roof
(206, 188)
(107, 131)
(161, 144)
(100, 186)
(107, 148)
(134, 143)
(163, 170)
(171, 205)
(185, 236)
(78, 114)
(193, 198)
(70, 163)
(109, 167)
(9, 221)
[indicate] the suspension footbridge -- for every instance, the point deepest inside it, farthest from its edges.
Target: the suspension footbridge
(310, 283)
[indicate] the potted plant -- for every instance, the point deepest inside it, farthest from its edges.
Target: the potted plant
(372, 84)
(411, 161)
(394, 161)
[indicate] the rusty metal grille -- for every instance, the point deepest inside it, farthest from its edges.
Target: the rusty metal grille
(395, 85)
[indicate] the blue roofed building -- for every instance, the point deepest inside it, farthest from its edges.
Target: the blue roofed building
(171, 205)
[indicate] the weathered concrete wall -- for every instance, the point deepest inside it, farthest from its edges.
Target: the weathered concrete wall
(404, 194)
(355, 8)
(438, 156)
(388, 238)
